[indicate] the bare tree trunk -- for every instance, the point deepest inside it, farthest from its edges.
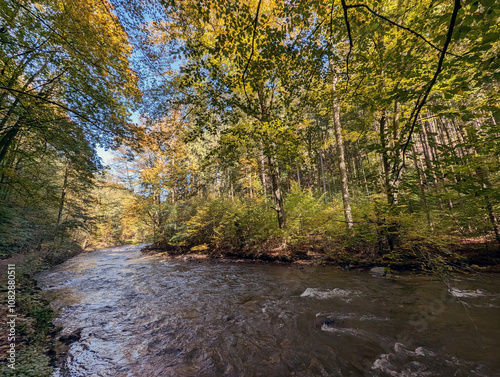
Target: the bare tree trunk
(422, 188)
(323, 174)
(437, 132)
(63, 194)
(385, 160)
(341, 154)
(263, 171)
(277, 193)
(298, 177)
(429, 163)
(159, 211)
(486, 184)
(231, 184)
(396, 153)
(250, 184)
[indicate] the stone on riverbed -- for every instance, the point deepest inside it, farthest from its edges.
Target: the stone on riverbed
(378, 271)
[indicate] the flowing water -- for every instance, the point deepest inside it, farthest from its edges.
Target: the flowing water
(147, 316)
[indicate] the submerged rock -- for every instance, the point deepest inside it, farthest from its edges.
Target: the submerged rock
(71, 338)
(328, 322)
(378, 271)
(325, 323)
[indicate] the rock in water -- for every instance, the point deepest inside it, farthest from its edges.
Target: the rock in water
(71, 338)
(378, 271)
(328, 322)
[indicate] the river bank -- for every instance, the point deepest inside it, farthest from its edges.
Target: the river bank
(33, 333)
(466, 256)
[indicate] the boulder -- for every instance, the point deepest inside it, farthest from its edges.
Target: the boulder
(378, 271)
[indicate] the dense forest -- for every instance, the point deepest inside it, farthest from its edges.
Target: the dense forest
(334, 130)
(358, 133)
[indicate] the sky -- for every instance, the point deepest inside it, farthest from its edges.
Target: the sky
(107, 155)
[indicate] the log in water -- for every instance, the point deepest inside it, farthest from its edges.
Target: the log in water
(137, 315)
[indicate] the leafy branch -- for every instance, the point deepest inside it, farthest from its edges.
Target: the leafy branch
(254, 32)
(393, 23)
(423, 98)
(44, 99)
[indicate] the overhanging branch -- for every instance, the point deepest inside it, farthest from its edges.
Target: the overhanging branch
(348, 26)
(443, 51)
(255, 23)
(423, 98)
(77, 113)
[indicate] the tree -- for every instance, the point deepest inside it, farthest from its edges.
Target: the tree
(65, 86)
(59, 60)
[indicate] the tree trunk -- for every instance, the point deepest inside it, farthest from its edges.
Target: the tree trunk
(8, 138)
(385, 160)
(341, 154)
(422, 188)
(250, 184)
(396, 152)
(63, 194)
(231, 184)
(298, 177)
(263, 171)
(323, 174)
(430, 163)
(486, 184)
(277, 194)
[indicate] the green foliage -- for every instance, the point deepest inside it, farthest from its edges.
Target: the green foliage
(310, 214)
(226, 225)
(31, 361)
(14, 230)
(315, 230)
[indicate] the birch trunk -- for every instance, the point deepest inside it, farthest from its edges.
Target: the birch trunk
(341, 153)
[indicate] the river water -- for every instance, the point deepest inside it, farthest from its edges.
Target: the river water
(148, 316)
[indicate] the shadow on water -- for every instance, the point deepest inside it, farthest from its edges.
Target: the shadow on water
(139, 315)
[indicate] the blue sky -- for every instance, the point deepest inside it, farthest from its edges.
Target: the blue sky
(107, 155)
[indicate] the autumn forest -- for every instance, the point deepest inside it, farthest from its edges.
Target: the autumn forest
(204, 139)
(341, 131)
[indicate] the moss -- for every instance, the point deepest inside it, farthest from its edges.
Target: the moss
(31, 361)
(34, 326)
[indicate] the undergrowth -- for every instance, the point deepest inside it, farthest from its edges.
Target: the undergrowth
(315, 229)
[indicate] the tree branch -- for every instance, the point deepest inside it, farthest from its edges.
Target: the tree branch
(65, 40)
(421, 102)
(400, 26)
(255, 23)
(78, 114)
(348, 26)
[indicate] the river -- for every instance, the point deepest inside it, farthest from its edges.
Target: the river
(144, 316)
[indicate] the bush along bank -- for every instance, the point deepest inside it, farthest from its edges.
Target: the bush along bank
(316, 232)
(27, 349)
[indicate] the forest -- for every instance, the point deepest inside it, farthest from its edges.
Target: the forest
(329, 130)
(357, 133)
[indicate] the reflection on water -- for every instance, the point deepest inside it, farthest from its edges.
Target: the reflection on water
(145, 316)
